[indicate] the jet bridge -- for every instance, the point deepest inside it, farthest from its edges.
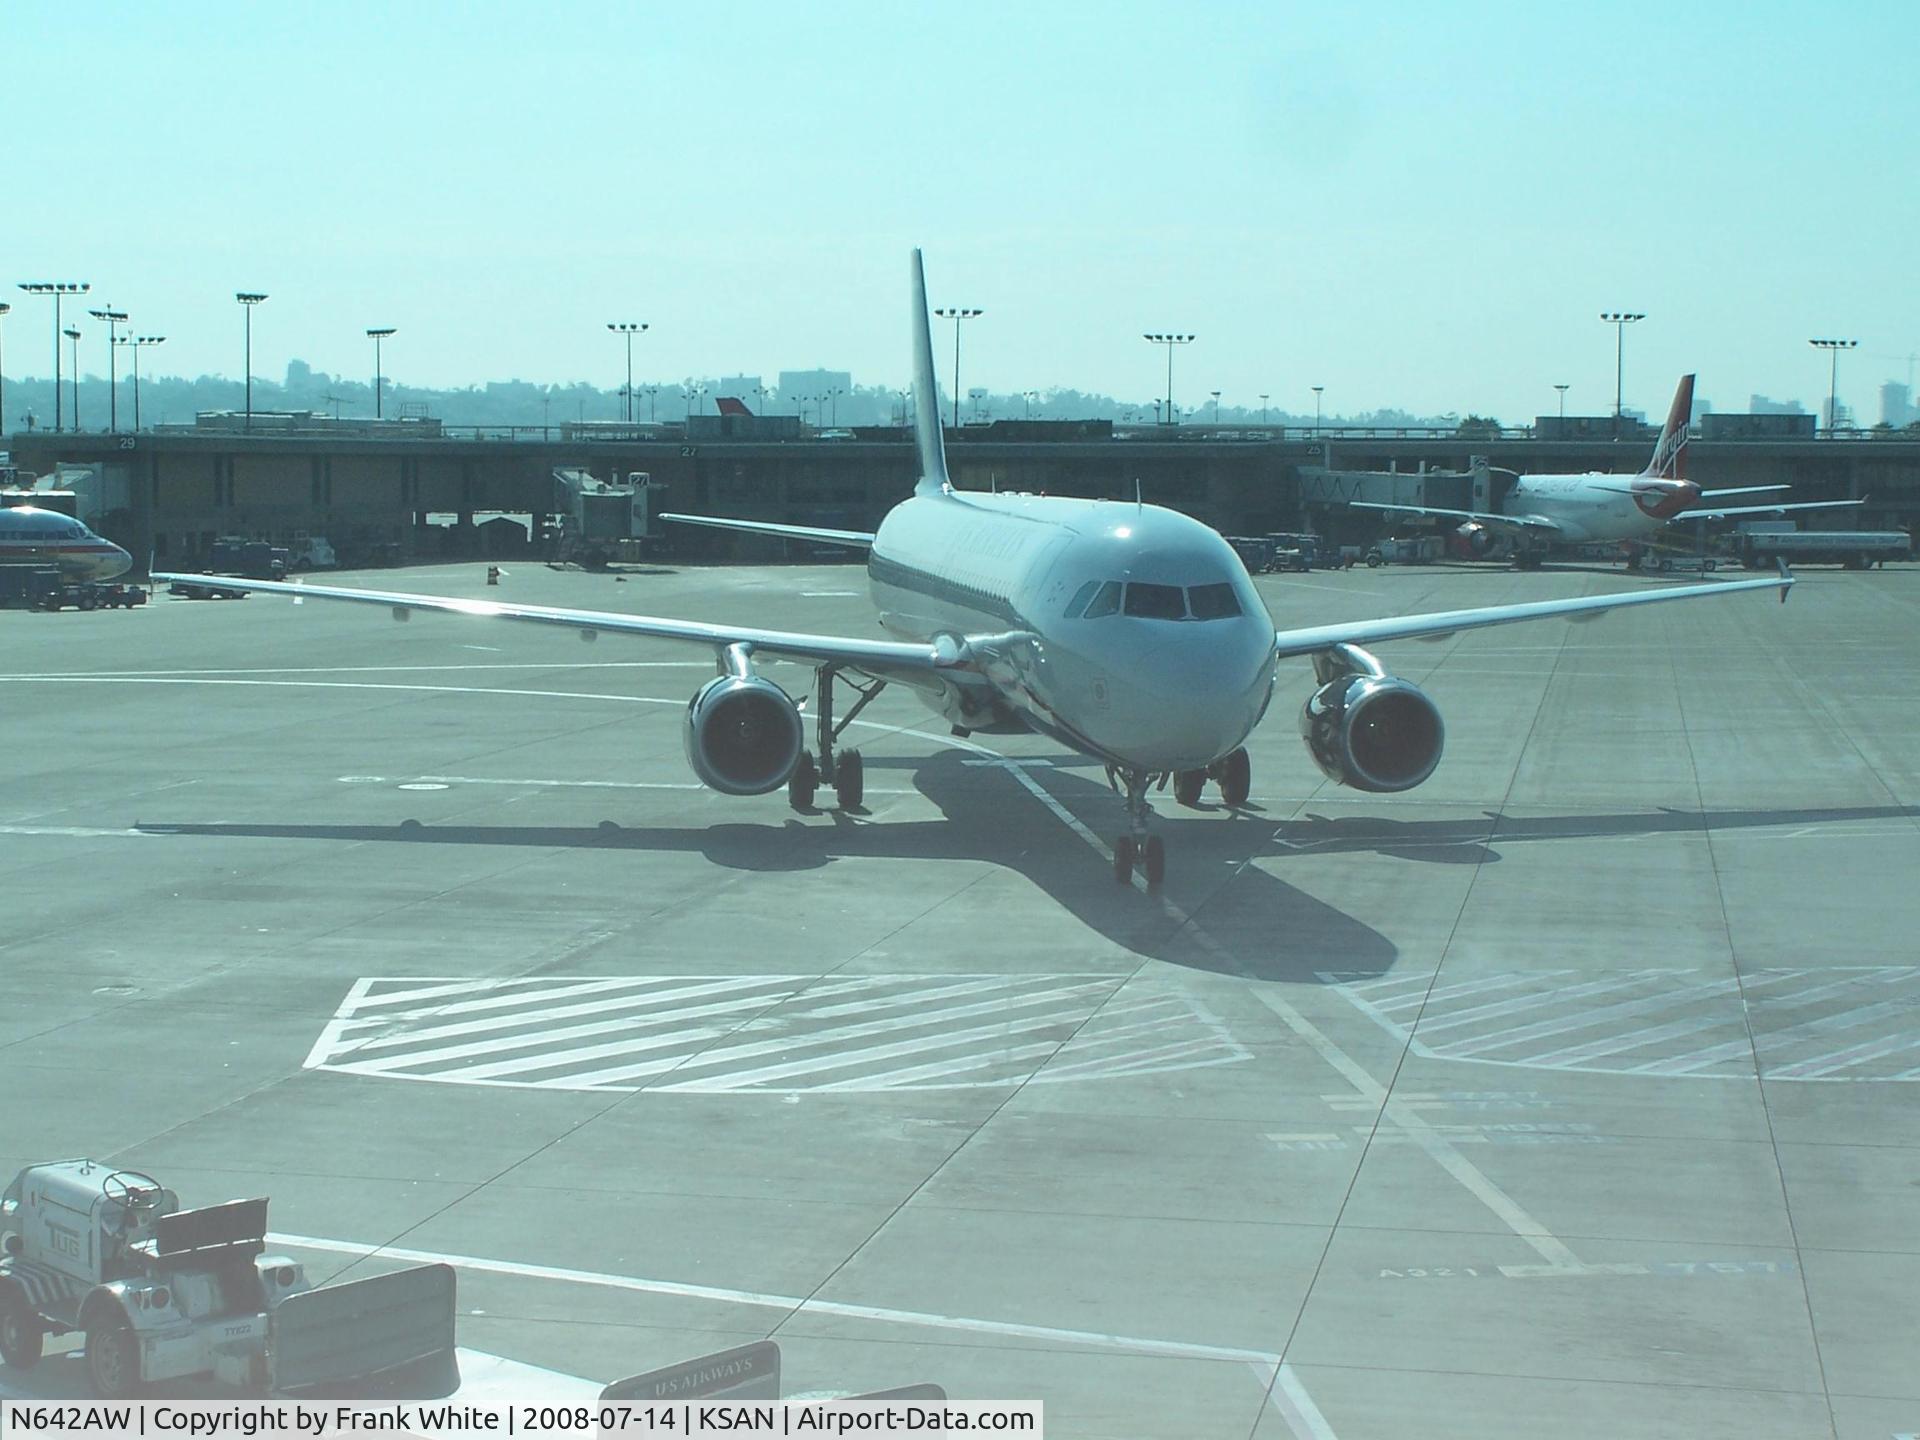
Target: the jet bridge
(600, 519)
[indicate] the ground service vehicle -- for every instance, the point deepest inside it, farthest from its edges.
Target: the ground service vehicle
(43, 588)
(162, 1293)
(1855, 549)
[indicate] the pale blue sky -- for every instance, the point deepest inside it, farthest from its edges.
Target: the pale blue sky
(1414, 205)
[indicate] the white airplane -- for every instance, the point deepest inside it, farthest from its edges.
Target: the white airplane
(1600, 508)
(32, 536)
(1127, 632)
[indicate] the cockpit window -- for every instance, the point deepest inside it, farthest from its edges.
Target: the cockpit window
(1213, 602)
(1106, 602)
(1156, 602)
(1080, 598)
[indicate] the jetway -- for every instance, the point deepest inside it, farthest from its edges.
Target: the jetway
(595, 516)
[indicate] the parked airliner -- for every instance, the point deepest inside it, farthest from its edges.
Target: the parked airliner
(1599, 508)
(32, 536)
(1127, 632)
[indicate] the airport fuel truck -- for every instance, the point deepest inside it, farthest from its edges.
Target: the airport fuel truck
(162, 1293)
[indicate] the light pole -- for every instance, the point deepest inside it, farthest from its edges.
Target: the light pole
(1619, 319)
(1216, 406)
(833, 405)
(693, 393)
(57, 289)
(376, 335)
(5, 310)
(1263, 407)
(629, 329)
(1029, 396)
(248, 299)
(957, 316)
(73, 335)
(1833, 349)
(113, 318)
(1316, 408)
(1563, 400)
(1169, 341)
(651, 391)
(133, 344)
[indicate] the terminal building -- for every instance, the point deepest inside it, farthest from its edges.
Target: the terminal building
(413, 488)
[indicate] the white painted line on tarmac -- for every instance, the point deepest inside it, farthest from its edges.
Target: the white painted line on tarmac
(80, 832)
(796, 1304)
(546, 784)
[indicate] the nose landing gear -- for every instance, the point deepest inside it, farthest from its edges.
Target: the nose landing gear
(1137, 847)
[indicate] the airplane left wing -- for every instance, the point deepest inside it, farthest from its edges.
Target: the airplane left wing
(861, 538)
(1441, 623)
(886, 659)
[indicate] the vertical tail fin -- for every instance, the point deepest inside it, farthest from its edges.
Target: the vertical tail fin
(926, 394)
(1669, 460)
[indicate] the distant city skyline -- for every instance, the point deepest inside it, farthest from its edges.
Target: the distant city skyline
(1417, 207)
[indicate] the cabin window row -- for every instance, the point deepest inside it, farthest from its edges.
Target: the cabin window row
(1099, 598)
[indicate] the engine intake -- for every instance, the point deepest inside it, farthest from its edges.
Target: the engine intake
(1371, 730)
(743, 735)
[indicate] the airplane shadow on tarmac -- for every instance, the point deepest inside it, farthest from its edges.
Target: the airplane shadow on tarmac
(1220, 912)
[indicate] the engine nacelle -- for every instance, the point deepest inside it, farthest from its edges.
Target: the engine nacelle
(743, 735)
(1373, 732)
(1473, 541)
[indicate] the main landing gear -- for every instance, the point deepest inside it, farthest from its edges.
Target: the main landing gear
(844, 771)
(1234, 772)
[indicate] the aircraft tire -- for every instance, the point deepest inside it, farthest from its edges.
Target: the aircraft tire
(803, 782)
(1123, 860)
(849, 780)
(1154, 861)
(1187, 785)
(1236, 778)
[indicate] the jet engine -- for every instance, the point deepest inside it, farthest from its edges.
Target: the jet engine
(1472, 541)
(1368, 729)
(743, 734)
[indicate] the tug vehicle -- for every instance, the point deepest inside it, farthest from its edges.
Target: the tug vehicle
(162, 1293)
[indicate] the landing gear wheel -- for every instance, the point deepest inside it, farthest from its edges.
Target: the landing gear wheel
(1154, 862)
(849, 780)
(1123, 860)
(1236, 778)
(802, 783)
(1187, 785)
(113, 1359)
(20, 1331)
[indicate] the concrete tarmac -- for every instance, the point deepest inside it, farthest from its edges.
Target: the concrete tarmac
(1576, 1092)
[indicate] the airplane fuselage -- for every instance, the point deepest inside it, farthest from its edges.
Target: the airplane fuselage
(31, 536)
(1130, 632)
(1600, 508)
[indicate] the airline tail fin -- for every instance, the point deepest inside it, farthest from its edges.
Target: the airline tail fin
(926, 394)
(1669, 460)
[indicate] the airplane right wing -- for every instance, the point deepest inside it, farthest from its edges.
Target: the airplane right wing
(859, 538)
(1441, 623)
(1535, 525)
(883, 659)
(1722, 512)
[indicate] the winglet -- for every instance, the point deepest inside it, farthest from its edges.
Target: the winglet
(1786, 577)
(926, 394)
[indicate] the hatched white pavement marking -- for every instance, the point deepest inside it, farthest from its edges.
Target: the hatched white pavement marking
(765, 1034)
(1844, 1023)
